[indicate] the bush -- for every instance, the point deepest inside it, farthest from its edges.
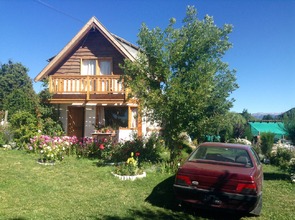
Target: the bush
(291, 169)
(52, 128)
(282, 158)
(24, 126)
(6, 134)
(267, 140)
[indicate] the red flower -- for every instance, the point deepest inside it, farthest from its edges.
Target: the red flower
(137, 154)
(101, 147)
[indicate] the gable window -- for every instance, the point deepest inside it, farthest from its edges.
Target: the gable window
(105, 67)
(100, 66)
(88, 67)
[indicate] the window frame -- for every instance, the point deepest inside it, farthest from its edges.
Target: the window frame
(97, 65)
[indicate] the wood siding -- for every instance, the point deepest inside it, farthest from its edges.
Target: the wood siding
(94, 45)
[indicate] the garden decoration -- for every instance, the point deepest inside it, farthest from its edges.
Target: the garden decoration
(129, 170)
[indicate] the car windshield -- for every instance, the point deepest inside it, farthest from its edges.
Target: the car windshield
(222, 154)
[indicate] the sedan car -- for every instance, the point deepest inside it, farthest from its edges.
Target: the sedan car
(223, 176)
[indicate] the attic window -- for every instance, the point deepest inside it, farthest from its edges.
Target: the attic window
(88, 67)
(105, 67)
(101, 66)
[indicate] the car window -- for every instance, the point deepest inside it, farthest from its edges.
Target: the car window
(224, 154)
(256, 157)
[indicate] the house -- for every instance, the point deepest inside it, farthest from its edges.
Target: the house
(84, 80)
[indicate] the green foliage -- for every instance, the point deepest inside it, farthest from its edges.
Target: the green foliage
(24, 126)
(16, 89)
(267, 141)
(247, 115)
(52, 128)
(289, 126)
(6, 134)
(282, 158)
(181, 78)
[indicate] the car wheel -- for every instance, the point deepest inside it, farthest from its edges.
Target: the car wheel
(257, 210)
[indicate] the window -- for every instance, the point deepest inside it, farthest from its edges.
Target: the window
(116, 116)
(101, 66)
(88, 67)
(134, 116)
(105, 67)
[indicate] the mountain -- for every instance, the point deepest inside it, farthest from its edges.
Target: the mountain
(260, 115)
(280, 115)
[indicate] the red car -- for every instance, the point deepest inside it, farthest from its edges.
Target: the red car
(223, 176)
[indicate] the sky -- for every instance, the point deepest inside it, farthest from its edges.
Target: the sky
(263, 38)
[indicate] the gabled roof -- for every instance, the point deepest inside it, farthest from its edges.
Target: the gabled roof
(127, 49)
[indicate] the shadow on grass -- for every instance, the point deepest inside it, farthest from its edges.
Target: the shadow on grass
(162, 196)
(275, 176)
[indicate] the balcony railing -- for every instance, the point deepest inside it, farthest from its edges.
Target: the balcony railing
(79, 84)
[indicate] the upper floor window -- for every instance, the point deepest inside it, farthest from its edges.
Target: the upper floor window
(88, 67)
(105, 67)
(101, 66)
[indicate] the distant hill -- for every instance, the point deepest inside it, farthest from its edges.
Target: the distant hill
(260, 115)
(289, 113)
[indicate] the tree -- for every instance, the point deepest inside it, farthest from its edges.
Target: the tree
(16, 89)
(180, 78)
(267, 117)
(248, 116)
(289, 126)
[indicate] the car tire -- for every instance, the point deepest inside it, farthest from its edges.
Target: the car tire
(257, 210)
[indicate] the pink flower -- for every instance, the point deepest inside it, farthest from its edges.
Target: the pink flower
(101, 147)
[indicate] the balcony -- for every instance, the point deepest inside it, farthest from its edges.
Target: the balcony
(79, 87)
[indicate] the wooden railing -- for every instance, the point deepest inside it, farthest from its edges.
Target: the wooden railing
(79, 84)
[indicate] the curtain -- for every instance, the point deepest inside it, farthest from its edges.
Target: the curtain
(134, 117)
(88, 67)
(105, 67)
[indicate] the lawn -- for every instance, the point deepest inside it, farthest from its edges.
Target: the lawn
(79, 189)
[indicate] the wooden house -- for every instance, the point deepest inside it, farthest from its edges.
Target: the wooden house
(84, 80)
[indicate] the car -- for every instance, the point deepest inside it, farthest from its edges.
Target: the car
(221, 176)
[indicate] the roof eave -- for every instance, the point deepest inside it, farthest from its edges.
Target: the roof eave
(64, 52)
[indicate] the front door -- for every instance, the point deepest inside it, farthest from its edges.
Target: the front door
(76, 121)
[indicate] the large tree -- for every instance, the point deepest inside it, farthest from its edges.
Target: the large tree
(16, 89)
(180, 77)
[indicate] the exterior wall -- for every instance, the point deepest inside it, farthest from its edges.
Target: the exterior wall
(89, 120)
(93, 45)
(125, 135)
(63, 115)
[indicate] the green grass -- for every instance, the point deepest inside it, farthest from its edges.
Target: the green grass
(78, 189)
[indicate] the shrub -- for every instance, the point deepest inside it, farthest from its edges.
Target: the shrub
(267, 140)
(52, 128)
(24, 126)
(282, 158)
(6, 134)
(291, 169)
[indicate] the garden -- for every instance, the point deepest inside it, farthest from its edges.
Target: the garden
(81, 188)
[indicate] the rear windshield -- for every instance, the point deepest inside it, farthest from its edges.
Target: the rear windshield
(222, 154)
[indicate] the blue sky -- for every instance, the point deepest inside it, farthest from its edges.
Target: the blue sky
(263, 37)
